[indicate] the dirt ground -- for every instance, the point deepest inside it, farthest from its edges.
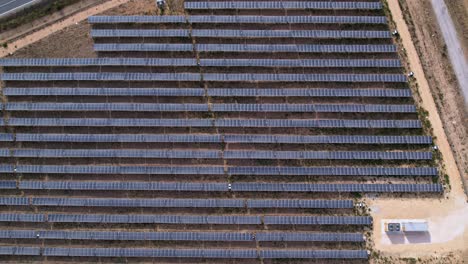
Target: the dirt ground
(444, 212)
(430, 46)
(459, 11)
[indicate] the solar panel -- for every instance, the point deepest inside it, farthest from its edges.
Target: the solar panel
(7, 184)
(283, 19)
(219, 170)
(13, 201)
(247, 48)
(331, 155)
(312, 63)
(103, 76)
(290, 139)
(300, 204)
(244, 92)
(143, 47)
(199, 138)
(6, 137)
(334, 188)
(153, 253)
(22, 218)
(283, 5)
(186, 236)
(115, 235)
(116, 122)
(135, 19)
(112, 33)
(306, 237)
(155, 203)
(212, 138)
(229, 33)
(336, 171)
(317, 220)
(19, 62)
(85, 169)
(105, 91)
(20, 251)
(314, 254)
(116, 153)
(145, 107)
(251, 77)
(157, 219)
(130, 186)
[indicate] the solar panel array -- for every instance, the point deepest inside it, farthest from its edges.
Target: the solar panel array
(189, 219)
(108, 76)
(180, 236)
(226, 138)
(183, 253)
(196, 92)
(209, 187)
(199, 137)
(115, 122)
(250, 48)
(283, 5)
(207, 154)
(325, 108)
(238, 19)
(387, 63)
(218, 170)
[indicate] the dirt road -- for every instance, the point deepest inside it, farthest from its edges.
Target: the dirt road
(454, 47)
(40, 34)
(440, 212)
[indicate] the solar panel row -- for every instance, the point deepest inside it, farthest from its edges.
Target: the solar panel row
(214, 154)
(142, 107)
(180, 203)
(203, 62)
(103, 33)
(247, 48)
(221, 77)
(107, 62)
(319, 34)
(211, 33)
(273, 19)
(219, 170)
(181, 236)
(188, 219)
(236, 186)
(240, 19)
(269, 123)
(135, 19)
(283, 5)
(184, 253)
(245, 92)
(212, 138)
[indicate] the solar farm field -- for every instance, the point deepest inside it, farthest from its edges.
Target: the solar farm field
(240, 132)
